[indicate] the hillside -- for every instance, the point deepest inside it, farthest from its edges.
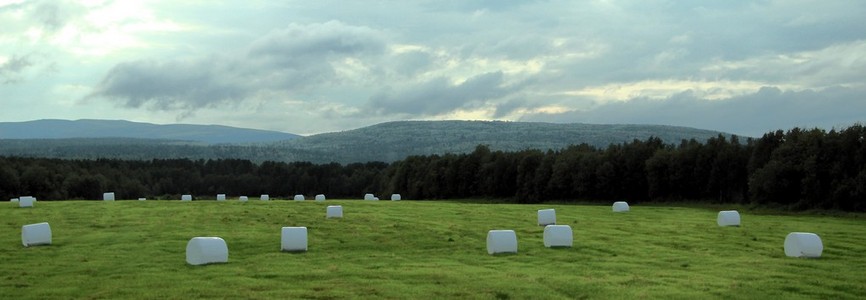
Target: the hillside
(396, 140)
(65, 129)
(383, 142)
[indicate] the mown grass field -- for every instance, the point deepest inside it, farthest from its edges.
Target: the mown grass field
(422, 250)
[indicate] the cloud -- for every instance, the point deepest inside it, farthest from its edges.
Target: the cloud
(11, 70)
(753, 114)
(440, 96)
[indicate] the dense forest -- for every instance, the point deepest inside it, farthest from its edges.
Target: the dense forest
(797, 169)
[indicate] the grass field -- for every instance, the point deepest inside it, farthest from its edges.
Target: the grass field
(421, 249)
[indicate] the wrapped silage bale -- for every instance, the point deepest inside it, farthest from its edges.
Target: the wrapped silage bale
(803, 244)
(501, 241)
(108, 196)
(186, 198)
(620, 206)
(320, 197)
(221, 197)
(546, 217)
(206, 250)
(142, 199)
(728, 218)
(36, 234)
(264, 197)
(13, 200)
(334, 211)
(26, 201)
(396, 197)
(243, 198)
(299, 198)
(558, 236)
(369, 197)
(293, 239)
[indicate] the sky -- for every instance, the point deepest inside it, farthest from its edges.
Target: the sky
(306, 67)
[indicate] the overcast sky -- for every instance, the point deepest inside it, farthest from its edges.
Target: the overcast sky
(746, 67)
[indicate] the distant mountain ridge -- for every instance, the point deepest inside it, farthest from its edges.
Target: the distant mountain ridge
(87, 128)
(386, 142)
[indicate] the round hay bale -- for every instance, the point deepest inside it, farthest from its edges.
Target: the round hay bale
(501, 241)
(26, 201)
(142, 199)
(108, 196)
(264, 197)
(803, 244)
(36, 234)
(728, 218)
(206, 250)
(221, 197)
(546, 217)
(299, 198)
(320, 197)
(558, 236)
(396, 197)
(620, 206)
(186, 198)
(294, 239)
(243, 198)
(369, 197)
(334, 211)
(13, 200)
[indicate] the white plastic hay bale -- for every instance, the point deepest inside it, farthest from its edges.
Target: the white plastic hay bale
(728, 218)
(293, 239)
(334, 211)
(264, 197)
(803, 244)
(396, 197)
(299, 198)
(186, 198)
(558, 236)
(546, 217)
(36, 234)
(501, 241)
(206, 250)
(375, 198)
(142, 199)
(13, 200)
(620, 206)
(26, 201)
(368, 196)
(243, 198)
(108, 196)
(221, 197)
(320, 197)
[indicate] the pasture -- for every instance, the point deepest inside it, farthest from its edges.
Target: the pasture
(422, 249)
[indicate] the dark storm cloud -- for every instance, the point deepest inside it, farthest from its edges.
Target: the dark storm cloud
(754, 114)
(440, 96)
(169, 85)
(11, 70)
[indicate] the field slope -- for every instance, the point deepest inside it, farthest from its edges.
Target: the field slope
(420, 249)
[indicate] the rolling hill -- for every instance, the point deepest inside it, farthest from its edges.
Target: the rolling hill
(382, 142)
(66, 129)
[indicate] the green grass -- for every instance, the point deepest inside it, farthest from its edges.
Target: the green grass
(419, 249)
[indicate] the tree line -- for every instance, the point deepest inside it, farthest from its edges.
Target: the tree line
(797, 169)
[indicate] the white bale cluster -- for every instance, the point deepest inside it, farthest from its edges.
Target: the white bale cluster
(501, 241)
(243, 198)
(186, 198)
(36, 234)
(26, 201)
(369, 197)
(293, 239)
(206, 250)
(264, 197)
(728, 218)
(396, 197)
(299, 197)
(221, 197)
(620, 206)
(108, 196)
(558, 236)
(334, 211)
(320, 197)
(546, 217)
(803, 244)
(142, 199)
